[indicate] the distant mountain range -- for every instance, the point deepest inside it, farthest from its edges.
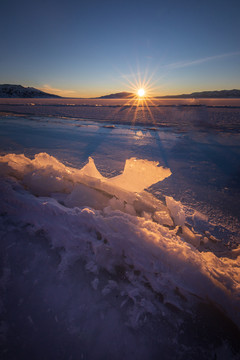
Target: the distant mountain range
(198, 95)
(18, 91)
(221, 94)
(120, 95)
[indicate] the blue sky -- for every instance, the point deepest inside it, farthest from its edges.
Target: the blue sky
(90, 48)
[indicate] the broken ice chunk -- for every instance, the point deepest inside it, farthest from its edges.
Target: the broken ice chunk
(83, 195)
(190, 237)
(163, 218)
(139, 175)
(176, 211)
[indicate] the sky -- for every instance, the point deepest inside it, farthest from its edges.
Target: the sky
(90, 48)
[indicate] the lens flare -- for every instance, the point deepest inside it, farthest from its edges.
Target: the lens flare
(141, 101)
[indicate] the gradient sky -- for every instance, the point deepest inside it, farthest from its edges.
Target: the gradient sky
(90, 48)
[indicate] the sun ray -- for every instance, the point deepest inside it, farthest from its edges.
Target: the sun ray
(141, 105)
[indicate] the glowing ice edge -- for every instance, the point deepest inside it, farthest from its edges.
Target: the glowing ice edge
(113, 223)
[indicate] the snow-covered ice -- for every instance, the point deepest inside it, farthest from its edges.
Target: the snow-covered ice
(101, 257)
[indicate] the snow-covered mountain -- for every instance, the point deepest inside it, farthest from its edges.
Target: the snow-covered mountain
(120, 95)
(19, 91)
(223, 94)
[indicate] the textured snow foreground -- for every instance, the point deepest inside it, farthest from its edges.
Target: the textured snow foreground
(99, 268)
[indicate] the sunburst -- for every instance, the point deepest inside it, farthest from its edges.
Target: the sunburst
(143, 95)
(141, 98)
(141, 92)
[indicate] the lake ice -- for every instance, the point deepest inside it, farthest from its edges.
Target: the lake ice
(102, 262)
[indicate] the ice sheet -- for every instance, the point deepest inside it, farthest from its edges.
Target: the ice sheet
(103, 267)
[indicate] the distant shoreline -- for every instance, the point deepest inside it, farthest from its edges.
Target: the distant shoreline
(216, 94)
(8, 91)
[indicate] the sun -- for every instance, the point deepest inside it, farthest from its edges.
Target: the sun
(141, 92)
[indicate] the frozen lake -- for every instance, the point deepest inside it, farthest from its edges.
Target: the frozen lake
(83, 261)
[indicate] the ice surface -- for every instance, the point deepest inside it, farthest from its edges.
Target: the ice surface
(179, 113)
